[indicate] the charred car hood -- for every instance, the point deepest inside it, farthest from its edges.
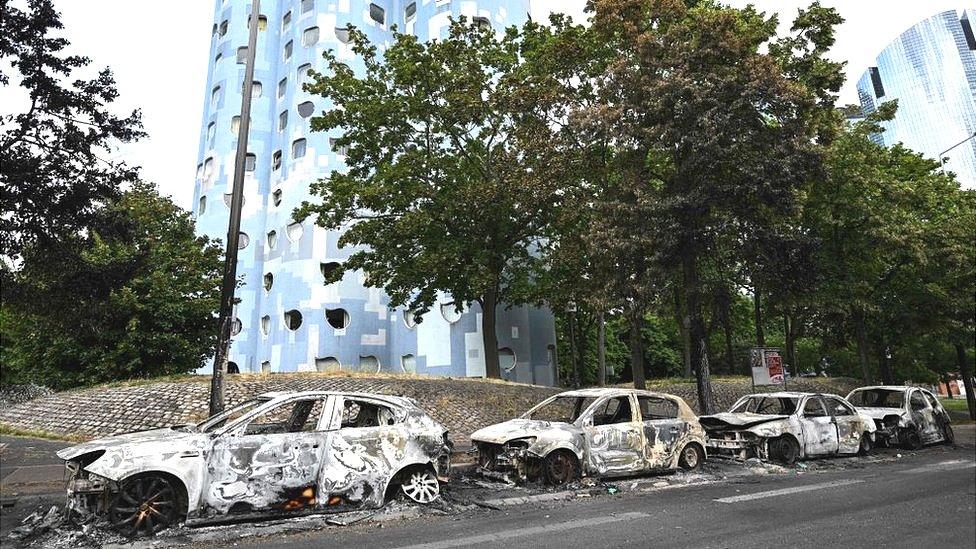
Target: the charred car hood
(512, 429)
(880, 413)
(156, 441)
(743, 420)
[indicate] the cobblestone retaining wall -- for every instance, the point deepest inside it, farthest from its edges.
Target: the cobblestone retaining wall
(462, 405)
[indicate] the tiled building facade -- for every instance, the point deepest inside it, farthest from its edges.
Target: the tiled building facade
(289, 320)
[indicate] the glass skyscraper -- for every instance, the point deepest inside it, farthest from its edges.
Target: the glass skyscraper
(288, 319)
(931, 70)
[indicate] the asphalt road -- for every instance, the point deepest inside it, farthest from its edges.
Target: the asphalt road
(893, 499)
(928, 500)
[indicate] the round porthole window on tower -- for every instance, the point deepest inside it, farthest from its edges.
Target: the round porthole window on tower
(293, 320)
(337, 318)
(327, 364)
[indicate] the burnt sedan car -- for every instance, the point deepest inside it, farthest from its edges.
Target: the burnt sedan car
(593, 432)
(909, 416)
(278, 453)
(789, 426)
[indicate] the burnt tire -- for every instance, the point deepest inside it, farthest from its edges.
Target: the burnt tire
(692, 457)
(948, 437)
(145, 505)
(910, 439)
(560, 467)
(784, 449)
(867, 445)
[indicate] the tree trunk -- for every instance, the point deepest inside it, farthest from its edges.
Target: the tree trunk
(572, 350)
(637, 350)
(886, 376)
(683, 322)
(862, 347)
(699, 347)
(489, 337)
(967, 379)
(789, 333)
(757, 310)
(727, 328)
(601, 351)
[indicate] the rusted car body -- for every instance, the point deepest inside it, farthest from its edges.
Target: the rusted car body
(909, 416)
(278, 453)
(787, 426)
(593, 432)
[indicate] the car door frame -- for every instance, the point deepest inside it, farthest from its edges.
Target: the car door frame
(814, 428)
(926, 421)
(241, 468)
(667, 431)
(355, 469)
(850, 426)
(614, 441)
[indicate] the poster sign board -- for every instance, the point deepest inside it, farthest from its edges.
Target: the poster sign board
(767, 367)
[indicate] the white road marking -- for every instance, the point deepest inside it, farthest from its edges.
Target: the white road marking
(950, 465)
(785, 491)
(529, 531)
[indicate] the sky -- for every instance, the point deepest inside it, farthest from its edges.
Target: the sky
(159, 52)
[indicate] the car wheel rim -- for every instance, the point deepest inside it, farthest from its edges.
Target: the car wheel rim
(560, 469)
(143, 507)
(691, 457)
(421, 486)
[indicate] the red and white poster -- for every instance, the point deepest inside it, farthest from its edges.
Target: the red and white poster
(767, 367)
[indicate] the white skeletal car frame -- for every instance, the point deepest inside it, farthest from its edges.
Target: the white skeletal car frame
(909, 416)
(278, 453)
(597, 432)
(788, 426)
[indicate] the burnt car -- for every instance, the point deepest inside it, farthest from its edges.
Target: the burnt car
(593, 432)
(909, 416)
(788, 426)
(275, 454)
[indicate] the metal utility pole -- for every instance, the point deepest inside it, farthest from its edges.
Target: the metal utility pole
(234, 225)
(942, 154)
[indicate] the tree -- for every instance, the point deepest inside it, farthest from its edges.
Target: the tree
(714, 136)
(454, 172)
(134, 296)
(54, 165)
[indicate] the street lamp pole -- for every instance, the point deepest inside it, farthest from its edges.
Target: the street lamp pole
(229, 284)
(942, 154)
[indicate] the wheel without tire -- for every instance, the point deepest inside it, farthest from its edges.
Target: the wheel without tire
(867, 446)
(910, 439)
(691, 458)
(784, 449)
(948, 436)
(560, 467)
(421, 485)
(144, 506)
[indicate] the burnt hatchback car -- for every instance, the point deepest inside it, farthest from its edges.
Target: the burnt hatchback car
(275, 454)
(593, 432)
(909, 416)
(788, 426)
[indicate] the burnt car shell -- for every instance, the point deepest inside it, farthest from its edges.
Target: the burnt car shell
(788, 426)
(910, 416)
(624, 440)
(279, 453)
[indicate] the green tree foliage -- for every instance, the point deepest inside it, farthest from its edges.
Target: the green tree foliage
(55, 164)
(713, 138)
(453, 168)
(133, 296)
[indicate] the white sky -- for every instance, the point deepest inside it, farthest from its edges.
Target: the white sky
(159, 53)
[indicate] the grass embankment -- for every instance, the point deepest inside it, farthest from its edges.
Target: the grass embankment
(7, 430)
